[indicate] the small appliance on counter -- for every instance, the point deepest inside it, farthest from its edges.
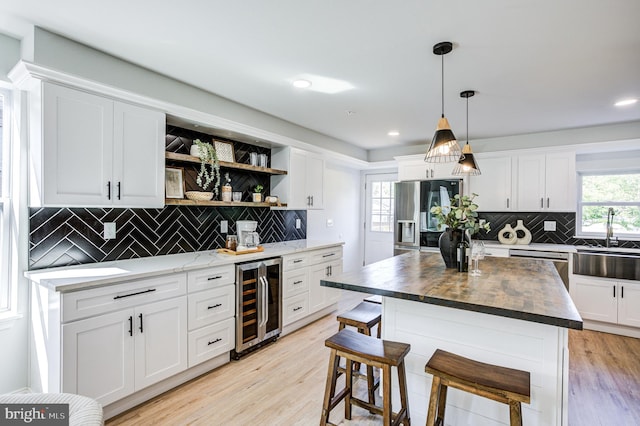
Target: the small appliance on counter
(248, 238)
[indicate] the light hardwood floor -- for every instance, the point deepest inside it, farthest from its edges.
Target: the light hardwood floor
(283, 384)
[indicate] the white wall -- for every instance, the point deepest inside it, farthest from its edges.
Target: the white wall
(14, 332)
(342, 205)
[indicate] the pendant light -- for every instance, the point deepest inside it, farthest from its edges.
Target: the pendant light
(467, 165)
(444, 147)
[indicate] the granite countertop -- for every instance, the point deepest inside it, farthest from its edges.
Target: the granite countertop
(82, 277)
(525, 289)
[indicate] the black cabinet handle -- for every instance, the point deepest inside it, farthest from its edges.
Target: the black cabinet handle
(214, 278)
(118, 190)
(297, 309)
(134, 294)
(109, 190)
(622, 292)
(297, 261)
(214, 341)
(614, 291)
(130, 325)
(214, 306)
(297, 282)
(328, 255)
(141, 330)
(547, 202)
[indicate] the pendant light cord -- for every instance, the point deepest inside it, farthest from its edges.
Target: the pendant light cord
(442, 85)
(467, 120)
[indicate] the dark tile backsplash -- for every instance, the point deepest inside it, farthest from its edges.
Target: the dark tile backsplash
(534, 222)
(71, 236)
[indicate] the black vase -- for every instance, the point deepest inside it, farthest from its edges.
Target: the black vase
(448, 244)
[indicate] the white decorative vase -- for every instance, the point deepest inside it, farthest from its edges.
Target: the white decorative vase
(257, 197)
(526, 239)
(507, 235)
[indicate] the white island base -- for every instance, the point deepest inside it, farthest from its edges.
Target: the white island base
(538, 348)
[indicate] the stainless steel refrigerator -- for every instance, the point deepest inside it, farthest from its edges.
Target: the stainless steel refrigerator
(415, 226)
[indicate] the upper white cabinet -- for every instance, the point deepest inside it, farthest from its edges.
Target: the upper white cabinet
(494, 185)
(546, 182)
(93, 151)
(303, 186)
(413, 167)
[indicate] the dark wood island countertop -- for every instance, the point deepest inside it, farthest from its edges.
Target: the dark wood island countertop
(526, 289)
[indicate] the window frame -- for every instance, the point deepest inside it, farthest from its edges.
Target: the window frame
(8, 287)
(610, 203)
(391, 215)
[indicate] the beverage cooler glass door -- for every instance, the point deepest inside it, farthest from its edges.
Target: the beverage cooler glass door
(272, 318)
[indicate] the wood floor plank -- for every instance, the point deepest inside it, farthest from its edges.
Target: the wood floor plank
(283, 384)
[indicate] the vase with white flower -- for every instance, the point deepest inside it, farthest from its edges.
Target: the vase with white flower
(459, 221)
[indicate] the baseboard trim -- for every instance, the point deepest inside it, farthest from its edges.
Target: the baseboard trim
(622, 330)
(290, 328)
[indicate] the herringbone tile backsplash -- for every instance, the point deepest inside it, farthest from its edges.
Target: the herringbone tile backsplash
(534, 222)
(64, 236)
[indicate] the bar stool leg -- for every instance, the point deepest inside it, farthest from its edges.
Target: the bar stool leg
(404, 400)
(330, 387)
(442, 402)
(386, 395)
(349, 385)
(433, 401)
(515, 413)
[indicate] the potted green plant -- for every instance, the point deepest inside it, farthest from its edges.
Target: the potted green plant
(209, 171)
(257, 193)
(461, 221)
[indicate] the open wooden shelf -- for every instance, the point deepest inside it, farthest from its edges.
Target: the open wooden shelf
(174, 156)
(214, 203)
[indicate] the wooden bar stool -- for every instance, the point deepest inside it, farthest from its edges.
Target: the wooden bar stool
(383, 354)
(501, 384)
(364, 317)
(374, 299)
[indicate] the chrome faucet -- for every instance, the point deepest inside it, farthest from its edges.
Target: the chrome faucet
(610, 239)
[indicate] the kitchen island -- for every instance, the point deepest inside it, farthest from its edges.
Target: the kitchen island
(516, 314)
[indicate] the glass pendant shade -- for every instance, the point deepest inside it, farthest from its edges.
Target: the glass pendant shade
(467, 165)
(444, 147)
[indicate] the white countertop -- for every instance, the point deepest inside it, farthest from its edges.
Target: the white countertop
(81, 277)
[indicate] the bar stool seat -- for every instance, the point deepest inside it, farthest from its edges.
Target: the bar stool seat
(376, 298)
(505, 385)
(383, 354)
(364, 317)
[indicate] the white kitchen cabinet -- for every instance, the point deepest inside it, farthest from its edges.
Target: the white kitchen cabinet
(110, 356)
(494, 185)
(413, 167)
(303, 185)
(94, 151)
(607, 300)
(546, 182)
(320, 296)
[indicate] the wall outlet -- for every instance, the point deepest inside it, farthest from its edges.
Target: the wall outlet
(329, 223)
(298, 224)
(224, 226)
(549, 225)
(109, 230)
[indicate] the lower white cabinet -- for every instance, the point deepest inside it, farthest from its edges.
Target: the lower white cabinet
(607, 300)
(319, 296)
(110, 356)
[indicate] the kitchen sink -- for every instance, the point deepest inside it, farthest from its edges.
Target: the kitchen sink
(607, 264)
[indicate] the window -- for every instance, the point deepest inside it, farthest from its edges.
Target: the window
(7, 292)
(598, 193)
(381, 206)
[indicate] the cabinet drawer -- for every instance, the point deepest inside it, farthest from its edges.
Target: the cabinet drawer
(211, 277)
(210, 306)
(325, 255)
(294, 261)
(86, 303)
(294, 308)
(211, 341)
(295, 283)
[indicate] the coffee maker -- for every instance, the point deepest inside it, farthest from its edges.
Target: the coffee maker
(248, 238)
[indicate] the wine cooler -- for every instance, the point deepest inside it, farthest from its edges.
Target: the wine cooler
(259, 299)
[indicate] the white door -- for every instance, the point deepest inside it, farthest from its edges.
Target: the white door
(298, 180)
(493, 186)
(78, 144)
(161, 340)
(138, 157)
(379, 205)
(98, 357)
(317, 293)
(560, 188)
(315, 181)
(531, 183)
(629, 304)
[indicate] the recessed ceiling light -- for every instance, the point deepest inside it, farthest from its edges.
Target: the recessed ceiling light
(393, 133)
(626, 102)
(302, 84)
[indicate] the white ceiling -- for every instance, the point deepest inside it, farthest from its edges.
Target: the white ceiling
(537, 65)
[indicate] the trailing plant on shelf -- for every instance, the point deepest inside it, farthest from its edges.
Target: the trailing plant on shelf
(209, 166)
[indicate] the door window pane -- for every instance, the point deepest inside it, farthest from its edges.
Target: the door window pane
(381, 206)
